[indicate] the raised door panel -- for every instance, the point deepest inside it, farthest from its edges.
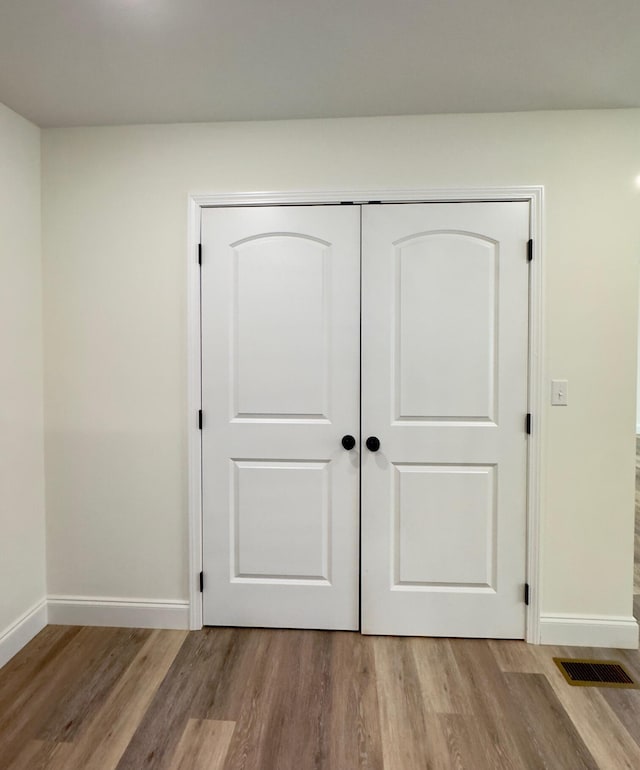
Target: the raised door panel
(281, 336)
(445, 327)
(280, 521)
(444, 526)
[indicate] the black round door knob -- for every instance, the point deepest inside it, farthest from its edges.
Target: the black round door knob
(348, 442)
(373, 444)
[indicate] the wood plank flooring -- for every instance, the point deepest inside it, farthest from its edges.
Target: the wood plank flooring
(256, 699)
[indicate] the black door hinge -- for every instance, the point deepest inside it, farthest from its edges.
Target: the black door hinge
(526, 593)
(530, 250)
(201, 582)
(199, 253)
(200, 419)
(528, 424)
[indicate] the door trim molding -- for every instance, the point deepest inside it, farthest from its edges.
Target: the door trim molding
(534, 195)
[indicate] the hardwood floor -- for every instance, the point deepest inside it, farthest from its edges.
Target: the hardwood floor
(254, 699)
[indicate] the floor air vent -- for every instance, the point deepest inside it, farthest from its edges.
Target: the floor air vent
(594, 673)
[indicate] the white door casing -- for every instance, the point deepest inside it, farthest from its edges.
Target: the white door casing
(280, 388)
(444, 372)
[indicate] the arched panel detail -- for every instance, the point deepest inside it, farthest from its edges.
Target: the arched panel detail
(430, 233)
(450, 323)
(283, 234)
(280, 328)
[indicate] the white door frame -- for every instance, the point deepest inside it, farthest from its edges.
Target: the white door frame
(534, 195)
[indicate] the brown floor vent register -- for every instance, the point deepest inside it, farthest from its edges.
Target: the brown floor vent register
(595, 673)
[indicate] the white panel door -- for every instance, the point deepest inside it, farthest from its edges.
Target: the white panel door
(280, 389)
(444, 372)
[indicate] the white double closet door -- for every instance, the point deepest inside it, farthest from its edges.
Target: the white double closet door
(404, 324)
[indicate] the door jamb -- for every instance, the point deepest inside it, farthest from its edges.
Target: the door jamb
(534, 195)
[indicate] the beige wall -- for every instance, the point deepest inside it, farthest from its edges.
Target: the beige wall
(22, 527)
(638, 369)
(115, 311)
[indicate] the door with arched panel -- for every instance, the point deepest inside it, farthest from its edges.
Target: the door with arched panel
(444, 372)
(280, 394)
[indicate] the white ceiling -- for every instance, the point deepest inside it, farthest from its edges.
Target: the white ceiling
(92, 62)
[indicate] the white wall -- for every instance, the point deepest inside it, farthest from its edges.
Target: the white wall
(22, 525)
(115, 311)
(638, 372)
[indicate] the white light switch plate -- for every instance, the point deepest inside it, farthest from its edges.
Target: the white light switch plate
(559, 392)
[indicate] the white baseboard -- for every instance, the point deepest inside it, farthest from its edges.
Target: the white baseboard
(565, 630)
(14, 638)
(589, 631)
(113, 611)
